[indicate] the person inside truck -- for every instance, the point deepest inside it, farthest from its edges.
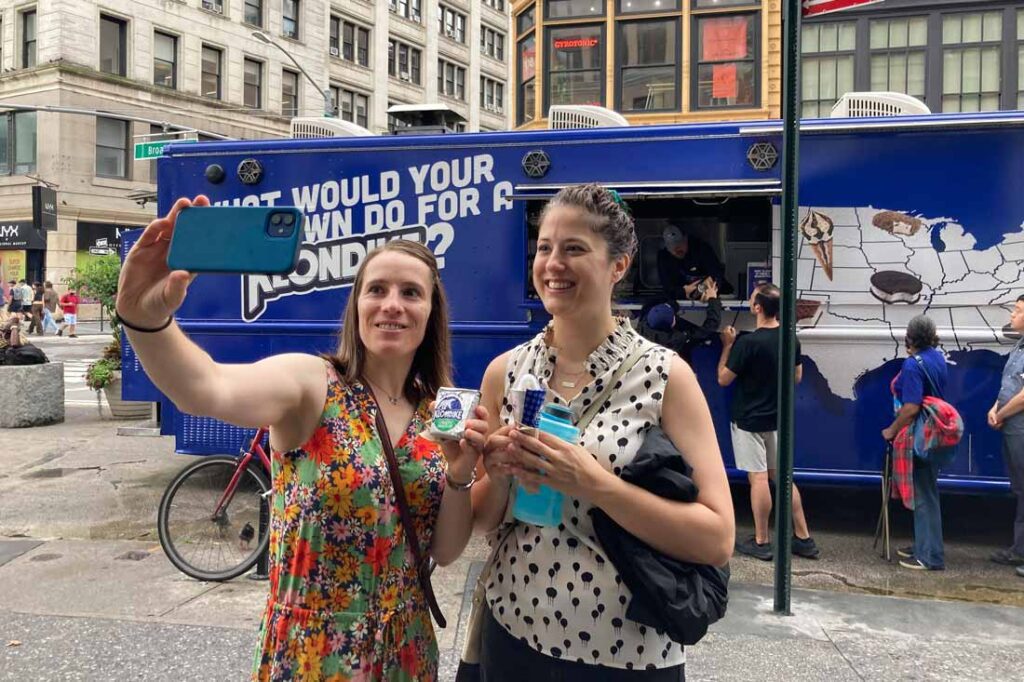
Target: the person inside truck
(662, 323)
(685, 264)
(346, 599)
(556, 575)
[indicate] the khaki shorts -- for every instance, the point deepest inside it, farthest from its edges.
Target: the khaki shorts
(754, 451)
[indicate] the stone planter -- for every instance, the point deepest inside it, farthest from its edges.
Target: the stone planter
(124, 409)
(31, 395)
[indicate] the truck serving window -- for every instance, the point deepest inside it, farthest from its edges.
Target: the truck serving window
(737, 229)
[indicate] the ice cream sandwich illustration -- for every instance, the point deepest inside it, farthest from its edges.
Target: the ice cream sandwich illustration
(890, 286)
(817, 229)
(897, 223)
(808, 312)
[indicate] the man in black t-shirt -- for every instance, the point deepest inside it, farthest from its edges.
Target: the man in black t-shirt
(752, 361)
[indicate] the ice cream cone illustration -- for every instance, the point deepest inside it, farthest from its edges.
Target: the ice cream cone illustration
(817, 229)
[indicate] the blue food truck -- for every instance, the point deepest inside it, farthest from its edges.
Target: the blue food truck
(898, 216)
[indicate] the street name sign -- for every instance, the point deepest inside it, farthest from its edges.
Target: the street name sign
(154, 148)
(812, 8)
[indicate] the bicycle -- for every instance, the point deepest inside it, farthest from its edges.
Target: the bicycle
(214, 517)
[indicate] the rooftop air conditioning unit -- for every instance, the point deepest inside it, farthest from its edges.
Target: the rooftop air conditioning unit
(862, 104)
(310, 127)
(334, 52)
(566, 116)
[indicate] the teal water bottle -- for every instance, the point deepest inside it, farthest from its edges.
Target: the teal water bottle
(544, 507)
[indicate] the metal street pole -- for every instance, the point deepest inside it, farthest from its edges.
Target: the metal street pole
(325, 92)
(787, 349)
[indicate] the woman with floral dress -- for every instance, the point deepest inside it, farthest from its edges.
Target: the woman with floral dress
(345, 601)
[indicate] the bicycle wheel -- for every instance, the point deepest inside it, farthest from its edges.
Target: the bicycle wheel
(209, 546)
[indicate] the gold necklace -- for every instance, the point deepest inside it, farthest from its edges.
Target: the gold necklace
(564, 383)
(391, 399)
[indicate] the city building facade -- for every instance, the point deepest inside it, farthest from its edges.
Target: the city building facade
(82, 81)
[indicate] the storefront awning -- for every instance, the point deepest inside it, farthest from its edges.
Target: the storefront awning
(665, 190)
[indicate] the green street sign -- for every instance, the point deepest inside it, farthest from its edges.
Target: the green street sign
(152, 150)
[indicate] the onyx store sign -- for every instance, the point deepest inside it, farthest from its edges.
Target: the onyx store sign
(21, 234)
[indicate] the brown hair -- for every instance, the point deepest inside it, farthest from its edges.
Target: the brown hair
(608, 213)
(432, 364)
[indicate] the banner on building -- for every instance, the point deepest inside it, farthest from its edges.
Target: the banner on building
(44, 208)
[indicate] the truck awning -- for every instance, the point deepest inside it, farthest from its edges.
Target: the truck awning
(664, 190)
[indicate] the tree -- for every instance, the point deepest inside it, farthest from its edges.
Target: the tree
(98, 279)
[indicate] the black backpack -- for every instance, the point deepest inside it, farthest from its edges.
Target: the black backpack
(23, 355)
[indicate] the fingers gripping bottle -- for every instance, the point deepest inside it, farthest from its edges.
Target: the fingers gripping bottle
(544, 508)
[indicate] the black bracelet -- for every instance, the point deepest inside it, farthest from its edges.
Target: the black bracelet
(144, 330)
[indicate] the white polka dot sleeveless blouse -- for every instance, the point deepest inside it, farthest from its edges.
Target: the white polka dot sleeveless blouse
(554, 588)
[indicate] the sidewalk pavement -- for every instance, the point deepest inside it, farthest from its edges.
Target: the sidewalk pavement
(96, 610)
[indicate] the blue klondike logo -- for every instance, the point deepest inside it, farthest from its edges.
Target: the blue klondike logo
(448, 413)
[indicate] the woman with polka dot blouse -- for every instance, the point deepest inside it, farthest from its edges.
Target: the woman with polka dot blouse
(557, 604)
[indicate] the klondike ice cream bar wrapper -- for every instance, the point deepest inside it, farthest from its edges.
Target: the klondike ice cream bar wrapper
(526, 398)
(453, 407)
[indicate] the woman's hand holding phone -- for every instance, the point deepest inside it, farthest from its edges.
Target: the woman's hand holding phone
(148, 292)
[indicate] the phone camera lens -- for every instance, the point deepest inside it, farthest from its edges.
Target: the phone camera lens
(288, 218)
(275, 219)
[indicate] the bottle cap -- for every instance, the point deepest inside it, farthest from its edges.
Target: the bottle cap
(559, 412)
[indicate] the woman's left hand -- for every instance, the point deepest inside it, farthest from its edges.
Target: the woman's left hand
(552, 461)
(462, 456)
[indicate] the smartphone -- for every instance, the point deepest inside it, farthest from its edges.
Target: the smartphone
(237, 239)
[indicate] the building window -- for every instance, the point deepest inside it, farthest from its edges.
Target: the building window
(252, 95)
(165, 60)
(970, 61)
(492, 43)
(350, 41)
(213, 59)
(254, 13)
(571, 9)
(1020, 59)
(18, 143)
(290, 19)
(526, 20)
(409, 9)
(216, 6)
(451, 24)
(289, 93)
(111, 148)
(526, 76)
(654, 6)
(575, 65)
(898, 55)
(496, 4)
(451, 80)
(113, 45)
(350, 106)
(492, 95)
(826, 65)
(404, 61)
(28, 38)
(648, 54)
(726, 61)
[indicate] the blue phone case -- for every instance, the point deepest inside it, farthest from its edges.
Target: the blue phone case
(237, 239)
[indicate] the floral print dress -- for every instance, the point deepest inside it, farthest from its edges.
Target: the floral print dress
(345, 602)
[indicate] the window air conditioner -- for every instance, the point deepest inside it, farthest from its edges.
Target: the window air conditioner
(213, 5)
(404, 75)
(449, 32)
(334, 52)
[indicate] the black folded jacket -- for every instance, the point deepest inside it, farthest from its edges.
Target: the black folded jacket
(676, 597)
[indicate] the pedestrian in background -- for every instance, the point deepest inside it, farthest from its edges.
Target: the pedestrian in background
(923, 374)
(69, 306)
(346, 600)
(50, 301)
(36, 325)
(1007, 415)
(555, 608)
(14, 304)
(752, 361)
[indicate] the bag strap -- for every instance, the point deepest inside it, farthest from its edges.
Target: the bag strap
(928, 376)
(640, 349)
(422, 563)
